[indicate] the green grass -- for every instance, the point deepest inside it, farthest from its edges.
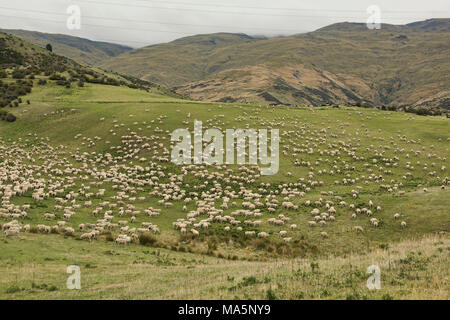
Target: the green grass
(35, 263)
(36, 269)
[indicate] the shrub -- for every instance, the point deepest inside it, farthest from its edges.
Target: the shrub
(109, 236)
(10, 117)
(56, 76)
(387, 296)
(147, 239)
(18, 74)
(13, 289)
(248, 281)
(270, 294)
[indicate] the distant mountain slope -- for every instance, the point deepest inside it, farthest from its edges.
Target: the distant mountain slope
(405, 65)
(78, 49)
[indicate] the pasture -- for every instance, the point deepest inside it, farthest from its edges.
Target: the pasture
(86, 179)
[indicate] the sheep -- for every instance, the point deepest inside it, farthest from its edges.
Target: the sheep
(195, 232)
(293, 226)
(88, 236)
(283, 233)
(312, 223)
(69, 231)
(396, 216)
(263, 235)
(48, 216)
(358, 228)
(324, 234)
(249, 233)
(403, 224)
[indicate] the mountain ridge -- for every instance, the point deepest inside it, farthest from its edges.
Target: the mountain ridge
(401, 65)
(79, 49)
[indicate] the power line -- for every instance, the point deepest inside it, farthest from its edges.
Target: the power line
(153, 22)
(165, 23)
(126, 20)
(63, 22)
(223, 12)
(250, 7)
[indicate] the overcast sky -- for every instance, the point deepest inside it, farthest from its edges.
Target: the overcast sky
(142, 22)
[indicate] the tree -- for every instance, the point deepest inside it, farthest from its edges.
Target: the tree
(49, 47)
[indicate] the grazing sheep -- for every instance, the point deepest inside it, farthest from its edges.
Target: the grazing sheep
(283, 233)
(324, 234)
(11, 232)
(403, 224)
(263, 235)
(48, 216)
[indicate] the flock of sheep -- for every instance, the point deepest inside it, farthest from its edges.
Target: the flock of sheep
(84, 193)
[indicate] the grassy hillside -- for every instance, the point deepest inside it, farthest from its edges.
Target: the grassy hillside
(78, 49)
(404, 66)
(24, 66)
(84, 139)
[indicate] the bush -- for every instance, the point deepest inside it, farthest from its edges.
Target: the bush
(147, 239)
(56, 76)
(10, 117)
(13, 289)
(270, 294)
(18, 74)
(109, 237)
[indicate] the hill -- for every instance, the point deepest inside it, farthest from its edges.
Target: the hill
(24, 65)
(86, 180)
(83, 165)
(78, 49)
(346, 63)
